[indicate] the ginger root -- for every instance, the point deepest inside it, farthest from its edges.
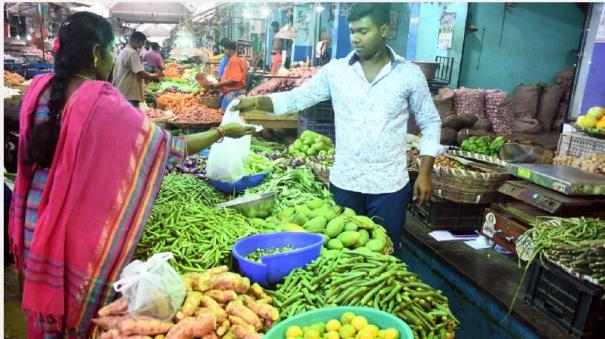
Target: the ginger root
(238, 309)
(222, 296)
(193, 327)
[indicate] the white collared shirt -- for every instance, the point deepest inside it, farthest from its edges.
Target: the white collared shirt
(370, 120)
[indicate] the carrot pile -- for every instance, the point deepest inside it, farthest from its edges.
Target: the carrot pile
(173, 71)
(12, 79)
(177, 102)
(219, 304)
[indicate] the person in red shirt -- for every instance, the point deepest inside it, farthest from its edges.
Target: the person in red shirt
(233, 81)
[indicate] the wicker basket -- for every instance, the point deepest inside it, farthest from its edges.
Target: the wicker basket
(210, 102)
(467, 187)
(477, 156)
(579, 145)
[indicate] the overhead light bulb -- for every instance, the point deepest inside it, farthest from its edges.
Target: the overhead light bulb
(265, 11)
(28, 37)
(319, 8)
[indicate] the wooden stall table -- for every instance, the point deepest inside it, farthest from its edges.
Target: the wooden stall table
(288, 121)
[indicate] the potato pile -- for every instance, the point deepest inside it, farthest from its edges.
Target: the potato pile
(595, 163)
(12, 79)
(219, 304)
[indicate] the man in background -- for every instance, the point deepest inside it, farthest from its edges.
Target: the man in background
(233, 81)
(128, 71)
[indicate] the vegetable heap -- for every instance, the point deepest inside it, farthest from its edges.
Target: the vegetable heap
(256, 255)
(218, 304)
(257, 164)
(184, 222)
(311, 144)
(294, 186)
(362, 278)
(342, 229)
(577, 245)
(483, 145)
(348, 326)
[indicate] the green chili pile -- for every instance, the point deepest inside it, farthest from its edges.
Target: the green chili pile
(355, 278)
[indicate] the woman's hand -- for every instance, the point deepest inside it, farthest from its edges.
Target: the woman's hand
(235, 130)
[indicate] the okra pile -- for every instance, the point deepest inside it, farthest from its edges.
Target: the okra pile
(362, 278)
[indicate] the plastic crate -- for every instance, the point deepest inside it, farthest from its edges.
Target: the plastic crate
(321, 112)
(579, 145)
(324, 128)
(440, 214)
(574, 304)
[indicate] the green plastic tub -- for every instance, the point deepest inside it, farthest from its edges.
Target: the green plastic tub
(381, 319)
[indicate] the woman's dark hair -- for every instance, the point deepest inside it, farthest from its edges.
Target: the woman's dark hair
(155, 46)
(77, 36)
(378, 12)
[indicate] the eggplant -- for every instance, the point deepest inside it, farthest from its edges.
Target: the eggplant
(188, 162)
(200, 176)
(194, 170)
(170, 167)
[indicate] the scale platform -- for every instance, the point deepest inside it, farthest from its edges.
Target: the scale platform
(563, 179)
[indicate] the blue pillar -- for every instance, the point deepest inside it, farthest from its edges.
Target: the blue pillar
(341, 41)
(413, 32)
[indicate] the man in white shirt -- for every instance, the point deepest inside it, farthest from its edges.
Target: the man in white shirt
(373, 90)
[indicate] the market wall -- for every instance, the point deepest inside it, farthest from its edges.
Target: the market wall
(537, 39)
(428, 33)
(400, 40)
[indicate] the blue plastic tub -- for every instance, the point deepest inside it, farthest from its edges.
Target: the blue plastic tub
(275, 267)
(240, 185)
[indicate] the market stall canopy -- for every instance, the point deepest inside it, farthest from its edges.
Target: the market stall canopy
(150, 12)
(157, 30)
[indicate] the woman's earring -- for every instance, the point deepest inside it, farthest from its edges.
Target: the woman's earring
(95, 63)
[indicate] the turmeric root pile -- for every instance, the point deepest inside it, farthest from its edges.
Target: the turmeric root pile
(219, 304)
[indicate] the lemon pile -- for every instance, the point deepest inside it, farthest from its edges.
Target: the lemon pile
(350, 326)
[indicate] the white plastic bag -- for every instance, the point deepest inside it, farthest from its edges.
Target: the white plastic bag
(152, 288)
(227, 159)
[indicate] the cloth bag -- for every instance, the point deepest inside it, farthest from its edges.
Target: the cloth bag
(227, 159)
(152, 288)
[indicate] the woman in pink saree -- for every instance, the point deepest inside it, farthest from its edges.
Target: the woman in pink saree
(90, 166)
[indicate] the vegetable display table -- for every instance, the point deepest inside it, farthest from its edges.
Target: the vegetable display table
(289, 121)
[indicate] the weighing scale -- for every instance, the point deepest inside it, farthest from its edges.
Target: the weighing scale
(563, 179)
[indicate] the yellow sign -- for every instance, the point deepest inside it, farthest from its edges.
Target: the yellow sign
(524, 173)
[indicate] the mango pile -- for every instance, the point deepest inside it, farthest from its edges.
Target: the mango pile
(311, 144)
(341, 228)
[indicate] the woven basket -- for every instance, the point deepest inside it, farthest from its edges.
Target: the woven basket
(467, 187)
(210, 102)
(477, 156)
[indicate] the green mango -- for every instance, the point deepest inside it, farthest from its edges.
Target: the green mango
(348, 238)
(257, 222)
(325, 211)
(300, 218)
(376, 245)
(363, 250)
(335, 227)
(316, 225)
(302, 208)
(364, 222)
(315, 204)
(272, 220)
(349, 212)
(351, 227)
(364, 237)
(329, 253)
(288, 212)
(287, 227)
(335, 244)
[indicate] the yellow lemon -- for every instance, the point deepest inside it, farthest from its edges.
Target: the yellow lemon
(333, 325)
(359, 322)
(374, 330)
(366, 333)
(320, 327)
(312, 334)
(347, 331)
(294, 331)
(346, 317)
(382, 334)
(332, 335)
(391, 333)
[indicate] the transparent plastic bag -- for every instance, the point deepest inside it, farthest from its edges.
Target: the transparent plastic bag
(152, 288)
(227, 159)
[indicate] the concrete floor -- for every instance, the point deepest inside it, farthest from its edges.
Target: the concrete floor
(14, 319)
